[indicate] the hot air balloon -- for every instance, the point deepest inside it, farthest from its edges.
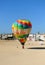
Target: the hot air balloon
(21, 29)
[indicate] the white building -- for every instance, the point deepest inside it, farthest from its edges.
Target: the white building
(36, 37)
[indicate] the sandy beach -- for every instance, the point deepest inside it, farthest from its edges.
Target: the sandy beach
(11, 53)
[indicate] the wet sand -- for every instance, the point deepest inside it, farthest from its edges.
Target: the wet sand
(11, 53)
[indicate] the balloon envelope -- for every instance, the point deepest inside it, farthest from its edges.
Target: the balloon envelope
(21, 29)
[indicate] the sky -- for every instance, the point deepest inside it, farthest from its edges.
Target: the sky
(12, 10)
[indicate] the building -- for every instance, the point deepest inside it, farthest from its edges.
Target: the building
(31, 37)
(7, 37)
(36, 37)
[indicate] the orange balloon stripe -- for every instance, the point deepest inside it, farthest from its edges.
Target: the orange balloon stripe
(24, 22)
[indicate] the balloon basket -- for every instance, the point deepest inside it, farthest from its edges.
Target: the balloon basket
(22, 46)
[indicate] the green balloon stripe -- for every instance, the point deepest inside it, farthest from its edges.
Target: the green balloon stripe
(15, 25)
(19, 27)
(23, 36)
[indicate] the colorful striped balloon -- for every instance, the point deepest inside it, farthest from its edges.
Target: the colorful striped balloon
(21, 29)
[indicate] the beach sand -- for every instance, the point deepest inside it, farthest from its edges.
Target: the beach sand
(11, 53)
